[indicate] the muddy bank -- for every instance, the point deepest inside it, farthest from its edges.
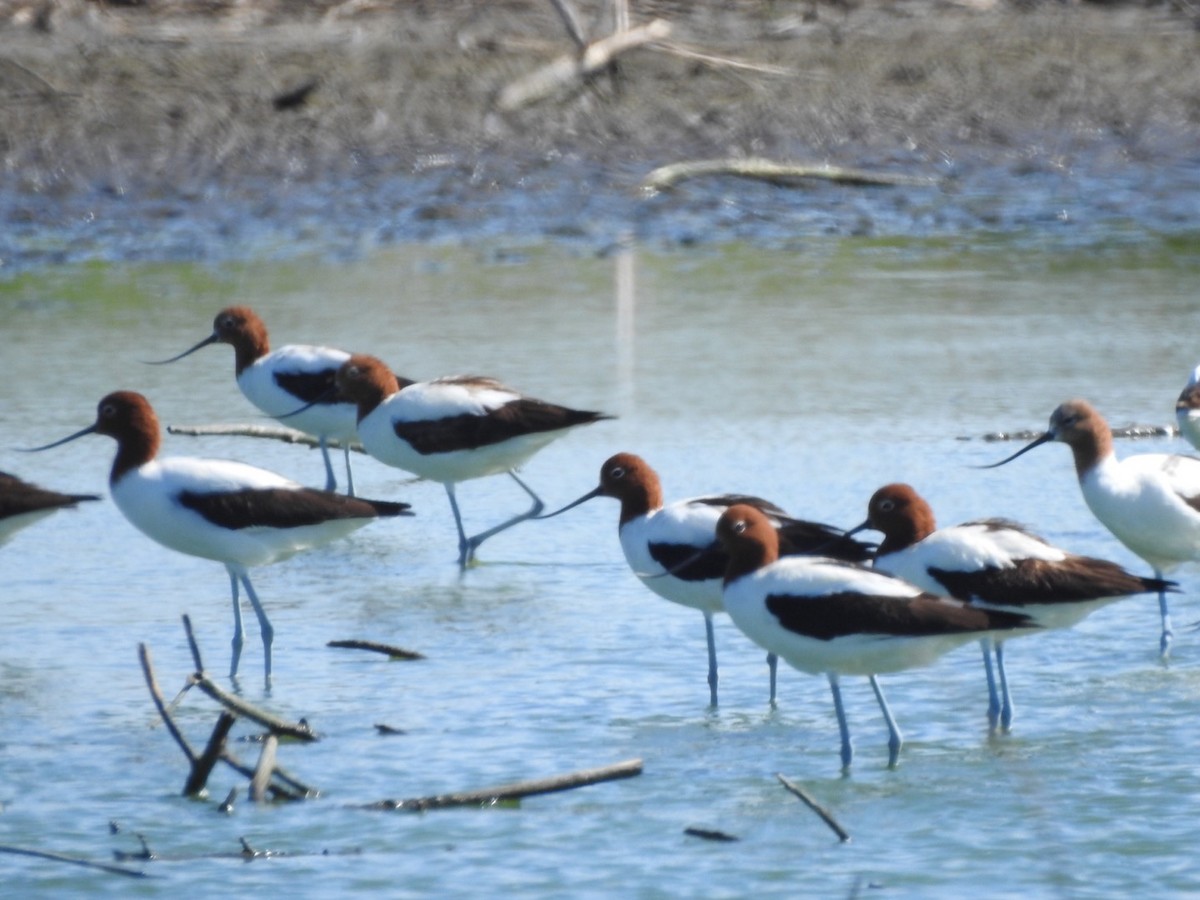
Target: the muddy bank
(202, 131)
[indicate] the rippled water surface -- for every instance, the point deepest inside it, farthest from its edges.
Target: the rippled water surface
(810, 376)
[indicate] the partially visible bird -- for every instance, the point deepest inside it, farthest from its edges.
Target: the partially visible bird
(279, 381)
(1149, 501)
(453, 429)
(22, 504)
(1187, 410)
(236, 514)
(673, 549)
(837, 618)
(996, 564)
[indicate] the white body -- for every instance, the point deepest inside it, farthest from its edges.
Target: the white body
(1140, 499)
(12, 524)
(440, 399)
(855, 654)
(147, 496)
(257, 382)
(682, 522)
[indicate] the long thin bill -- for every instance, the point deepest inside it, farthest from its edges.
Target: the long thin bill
(328, 396)
(1037, 442)
(91, 429)
(599, 491)
(211, 339)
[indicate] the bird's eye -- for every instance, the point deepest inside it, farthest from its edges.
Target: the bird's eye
(739, 527)
(887, 505)
(107, 411)
(617, 472)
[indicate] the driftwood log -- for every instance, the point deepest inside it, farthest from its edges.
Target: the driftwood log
(826, 815)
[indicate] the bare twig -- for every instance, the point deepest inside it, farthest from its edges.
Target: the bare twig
(573, 69)
(73, 860)
(816, 807)
(299, 731)
(570, 20)
(375, 647)
(191, 639)
(274, 432)
(788, 174)
(517, 790)
(161, 706)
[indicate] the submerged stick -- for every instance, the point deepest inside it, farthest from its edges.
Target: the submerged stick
(376, 647)
(816, 807)
(575, 68)
(517, 790)
(262, 772)
(73, 860)
(300, 731)
(204, 764)
(787, 174)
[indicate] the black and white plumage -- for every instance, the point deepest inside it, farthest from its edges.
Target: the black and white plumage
(453, 429)
(227, 511)
(22, 504)
(995, 564)
(835, 618)
(672, 548)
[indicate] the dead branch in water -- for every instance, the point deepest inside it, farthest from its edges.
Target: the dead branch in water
(274, 432)
(573, 69)
(73, 860)
(376, 647)
(517, 790)
(277, 726)
(262, 772)
(826, 815)
(786, 174)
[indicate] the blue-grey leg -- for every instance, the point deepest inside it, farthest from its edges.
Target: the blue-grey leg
(464, 546)
(712, 658)
(843, 728)
(1007, 711)
(330, 479)
(349, 471)
(1168, 633)
(895, 738)
(237, 625)
(264, 624)
(773, 668)
(993, 711)
(472, 544)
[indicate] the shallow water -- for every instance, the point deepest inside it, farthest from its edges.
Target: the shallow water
(810, 376)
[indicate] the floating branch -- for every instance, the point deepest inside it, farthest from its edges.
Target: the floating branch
(574, 68)
(786, 174)
(73, 860)
(161, 706)
(203, 765)
(517, 790)
(262, 772)
(274, 432)
(375, 647)
(816, 807)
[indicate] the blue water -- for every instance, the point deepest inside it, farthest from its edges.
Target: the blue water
(810, 376)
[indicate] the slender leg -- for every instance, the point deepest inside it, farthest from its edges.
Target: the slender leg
(712, 659)
(349, 472)
(237, 625)
(895, 738)
(330, 480)
(1006, 709)
(993, 711)
(464, 546)
(773, 668)
(474, 542)
(1168, 633)
(264, 624)
(843, 728)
